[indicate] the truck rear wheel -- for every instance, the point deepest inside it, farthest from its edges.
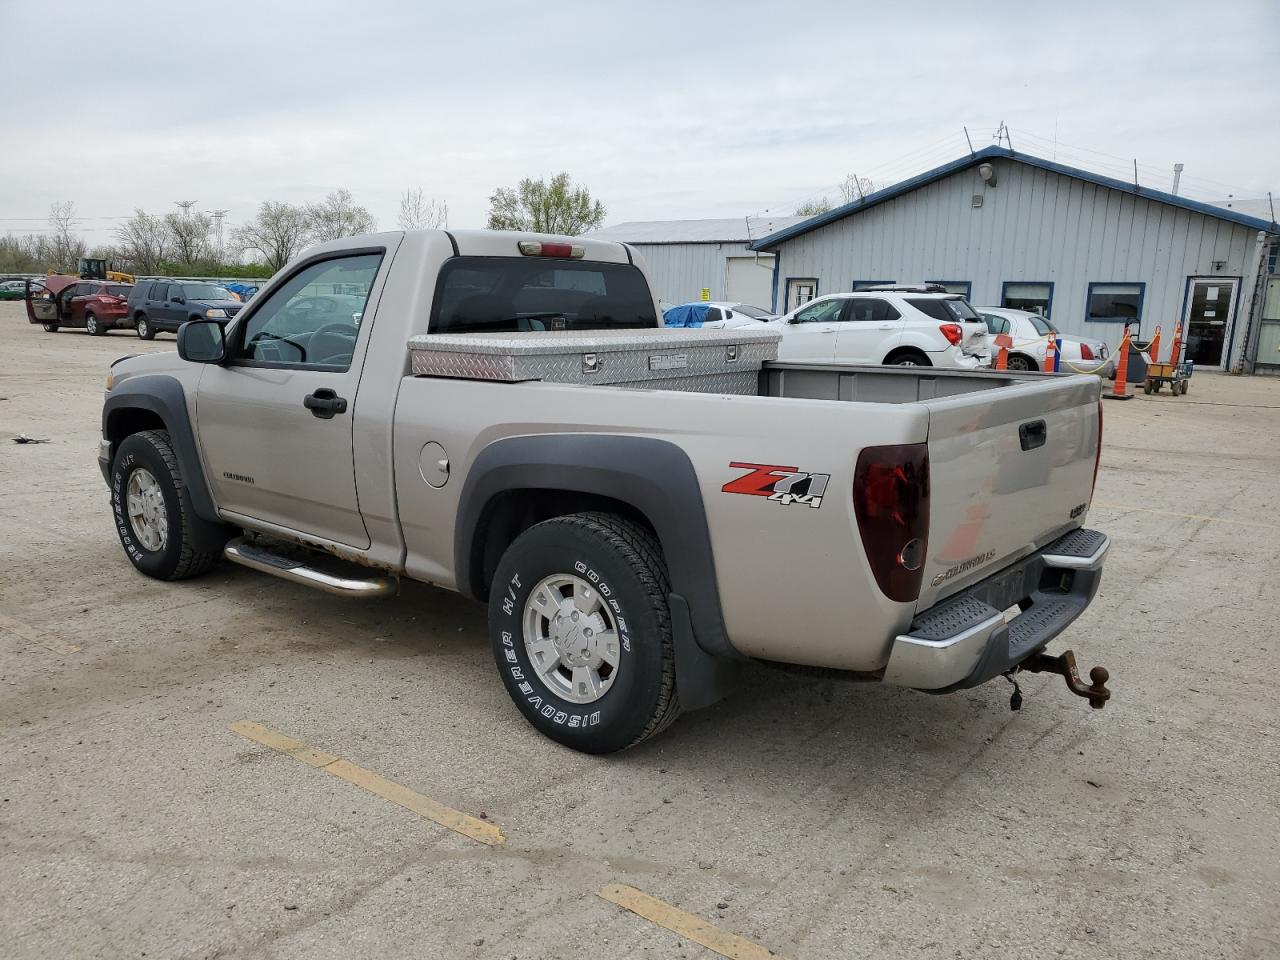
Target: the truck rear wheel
(155, 521)
(144, 328)
(581, 631)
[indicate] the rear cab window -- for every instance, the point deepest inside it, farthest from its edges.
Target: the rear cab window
(507, 295)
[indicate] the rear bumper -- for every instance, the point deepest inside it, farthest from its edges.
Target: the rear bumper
(965, 641)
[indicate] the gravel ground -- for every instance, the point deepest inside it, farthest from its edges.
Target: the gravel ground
(817, 818)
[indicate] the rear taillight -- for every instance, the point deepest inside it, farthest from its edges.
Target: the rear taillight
(539, 248)
(1097, 456)
(891, 503)
(1086, 352)
(953, 332)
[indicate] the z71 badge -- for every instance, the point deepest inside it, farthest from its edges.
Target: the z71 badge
(785, 485)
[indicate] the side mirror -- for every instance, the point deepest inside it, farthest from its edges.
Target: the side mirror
(202, 341)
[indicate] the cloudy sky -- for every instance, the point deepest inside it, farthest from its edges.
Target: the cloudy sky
(665, 110)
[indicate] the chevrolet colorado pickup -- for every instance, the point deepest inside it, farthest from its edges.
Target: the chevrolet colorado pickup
(915, 527)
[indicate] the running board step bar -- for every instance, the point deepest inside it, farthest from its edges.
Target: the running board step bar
(254, 557)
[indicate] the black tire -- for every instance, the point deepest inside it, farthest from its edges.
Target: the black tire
(144, 328)
(1146, 387)
(177, 557)
(93, 326)
(1021, 363)
(624, 562)
(1186, 385)
(907, 358)
(50, 327)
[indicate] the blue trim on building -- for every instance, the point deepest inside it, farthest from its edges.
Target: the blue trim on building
(1142, 295)
(853, 284)
(777, 263)
(995, 153)
(1048, 308)
(967, 284)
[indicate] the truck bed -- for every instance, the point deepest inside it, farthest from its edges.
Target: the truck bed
(877, 384)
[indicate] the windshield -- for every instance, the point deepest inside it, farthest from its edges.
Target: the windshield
(506, 294)
(1043, 326)
(205, 291)
(755, 313)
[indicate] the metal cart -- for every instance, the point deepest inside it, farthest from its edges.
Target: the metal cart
(1177, 375)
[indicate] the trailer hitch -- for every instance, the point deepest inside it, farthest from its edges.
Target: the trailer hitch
(1065, 665)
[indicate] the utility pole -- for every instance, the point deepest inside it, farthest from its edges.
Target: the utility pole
(217, 216)
(1177, 177)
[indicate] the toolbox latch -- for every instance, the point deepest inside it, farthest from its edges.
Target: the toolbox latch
(591, 363)
(731, 353)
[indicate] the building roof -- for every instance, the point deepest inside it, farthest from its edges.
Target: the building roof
(731, 230)
(991, 153)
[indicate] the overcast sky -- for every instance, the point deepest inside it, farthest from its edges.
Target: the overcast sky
(664, 110)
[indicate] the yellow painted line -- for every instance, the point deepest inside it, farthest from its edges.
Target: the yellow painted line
(49, 641)
(685, 924)
(481, 831)
(1188, 516)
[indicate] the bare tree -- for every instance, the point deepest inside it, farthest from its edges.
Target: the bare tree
(811, 208)
(278, 233)
(854, 187)
(422, 213)
(338, 216)
(66, 247)
(189, 236)
(144, 240)
(541, 207)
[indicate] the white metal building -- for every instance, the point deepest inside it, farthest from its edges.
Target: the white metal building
(686, 256)
(1091, 252)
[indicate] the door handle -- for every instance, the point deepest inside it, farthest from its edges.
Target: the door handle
(324, 403)
(885, 326)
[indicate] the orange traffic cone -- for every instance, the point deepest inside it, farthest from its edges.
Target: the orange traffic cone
(1154, 348)
(1004, 342)
(1048, 353)
(1122, 371)
(1177, 344)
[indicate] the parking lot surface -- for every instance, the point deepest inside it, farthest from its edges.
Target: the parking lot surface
(811, 817)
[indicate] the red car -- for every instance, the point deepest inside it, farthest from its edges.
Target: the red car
(63, 301)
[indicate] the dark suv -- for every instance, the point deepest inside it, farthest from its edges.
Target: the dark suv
(157, 305)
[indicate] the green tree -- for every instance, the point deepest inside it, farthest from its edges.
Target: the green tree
(536, 206)
(811, 208)
(278, 232)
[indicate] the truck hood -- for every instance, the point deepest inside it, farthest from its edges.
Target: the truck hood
(139, 364)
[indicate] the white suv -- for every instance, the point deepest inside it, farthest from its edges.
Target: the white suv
(886, 326)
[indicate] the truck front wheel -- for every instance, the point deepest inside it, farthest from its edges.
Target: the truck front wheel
(581, 631)
(152, 509)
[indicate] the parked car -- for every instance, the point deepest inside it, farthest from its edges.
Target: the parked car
(715, 315)
(12, 289)
(1030, 333)
(630, 543)
(158, 305)
(66, 301)
(888, 327)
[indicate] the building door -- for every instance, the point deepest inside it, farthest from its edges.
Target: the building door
(800, 292)
(1208, 319)
(749, 280)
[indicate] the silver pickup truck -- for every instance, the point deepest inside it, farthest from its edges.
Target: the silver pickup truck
(634, 542)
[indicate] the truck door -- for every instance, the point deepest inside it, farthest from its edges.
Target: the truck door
(275, 421)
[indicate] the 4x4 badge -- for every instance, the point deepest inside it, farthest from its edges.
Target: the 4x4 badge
(785, 485)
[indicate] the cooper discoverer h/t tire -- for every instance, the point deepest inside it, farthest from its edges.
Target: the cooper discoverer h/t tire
(151, 506)
(581, 631)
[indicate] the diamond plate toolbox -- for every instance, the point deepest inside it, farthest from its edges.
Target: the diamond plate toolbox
(658, 358)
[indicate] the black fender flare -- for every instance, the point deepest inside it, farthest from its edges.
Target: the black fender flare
(163, 396)
(654, 477)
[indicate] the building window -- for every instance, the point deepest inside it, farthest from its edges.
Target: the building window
(1035, 296)
(1114, 302)
(800, 290)
(864, 284)
(962, 287)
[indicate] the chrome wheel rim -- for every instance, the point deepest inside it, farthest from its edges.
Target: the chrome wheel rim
(907, 363)
(142, 328)
(571, 637)
(144, 502)
(91, 325)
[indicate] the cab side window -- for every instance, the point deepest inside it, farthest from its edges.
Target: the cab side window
(303, 323)
(824, 311)
(159, 291)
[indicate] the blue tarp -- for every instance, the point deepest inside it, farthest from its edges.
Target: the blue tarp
(241, 288)
(686, 315)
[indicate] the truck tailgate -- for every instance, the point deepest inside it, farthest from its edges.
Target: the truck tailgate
(1010, 470)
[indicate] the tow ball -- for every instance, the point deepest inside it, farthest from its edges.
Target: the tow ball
(1065, 666)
